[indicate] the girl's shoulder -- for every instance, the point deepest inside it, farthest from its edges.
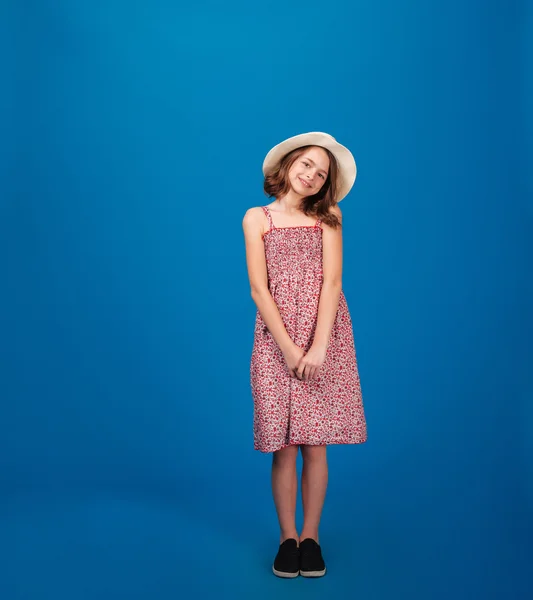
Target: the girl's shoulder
(333, 217)
(254, 218)
(254, 213)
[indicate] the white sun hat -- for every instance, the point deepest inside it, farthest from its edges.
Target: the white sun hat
(347, 170)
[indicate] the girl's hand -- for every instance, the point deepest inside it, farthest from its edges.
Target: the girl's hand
(292, 359)
(310, 364)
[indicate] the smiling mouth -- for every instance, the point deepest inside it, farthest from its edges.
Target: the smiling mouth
(304, 183)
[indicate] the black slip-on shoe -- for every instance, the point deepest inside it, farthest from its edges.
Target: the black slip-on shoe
(287, 561)
(311, 561)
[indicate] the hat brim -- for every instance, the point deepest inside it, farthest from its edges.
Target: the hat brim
(347, 170)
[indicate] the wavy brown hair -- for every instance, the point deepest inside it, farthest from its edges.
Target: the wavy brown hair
(277, 184)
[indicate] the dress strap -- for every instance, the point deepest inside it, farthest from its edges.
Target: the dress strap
(318, 223)
(269, 217)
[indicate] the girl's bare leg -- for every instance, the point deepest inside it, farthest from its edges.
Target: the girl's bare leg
(285, 489)
(314, 484)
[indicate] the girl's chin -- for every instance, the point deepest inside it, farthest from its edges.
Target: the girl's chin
(298, 193)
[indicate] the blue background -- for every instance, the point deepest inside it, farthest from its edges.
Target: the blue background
(134, 134)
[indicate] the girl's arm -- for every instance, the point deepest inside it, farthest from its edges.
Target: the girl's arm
(332, 282)
(253, 226)
(329, 299)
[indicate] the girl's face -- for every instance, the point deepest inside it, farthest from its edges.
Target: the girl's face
(309, 171)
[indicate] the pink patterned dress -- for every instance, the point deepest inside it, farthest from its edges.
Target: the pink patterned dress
(287, 411)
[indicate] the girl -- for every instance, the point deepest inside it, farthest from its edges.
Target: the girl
(304, 375)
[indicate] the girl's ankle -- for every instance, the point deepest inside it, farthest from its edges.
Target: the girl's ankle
(307, 535)
(287, 536)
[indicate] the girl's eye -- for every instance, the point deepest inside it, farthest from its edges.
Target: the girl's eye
(305, 163)
(321, 175)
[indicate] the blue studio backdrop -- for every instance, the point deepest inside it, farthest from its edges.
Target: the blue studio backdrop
(134, 134)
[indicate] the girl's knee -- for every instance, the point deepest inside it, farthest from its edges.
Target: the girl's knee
(314, 453)
(285, 456)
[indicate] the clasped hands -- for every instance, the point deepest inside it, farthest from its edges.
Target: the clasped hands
(305, 366)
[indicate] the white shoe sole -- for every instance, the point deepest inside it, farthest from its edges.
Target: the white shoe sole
(313, 573)
(284, 574)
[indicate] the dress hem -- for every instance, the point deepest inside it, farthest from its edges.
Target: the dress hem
(362, 441)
